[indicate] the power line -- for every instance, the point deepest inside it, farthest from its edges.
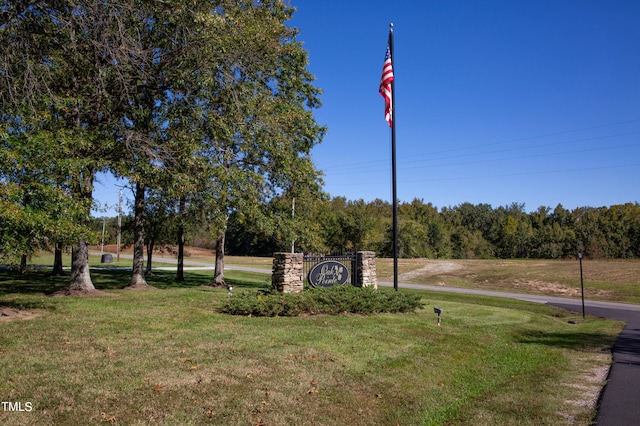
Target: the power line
(372, 163)
(520, 157)
(541, 136)
(582, 169)
(572, 141)
(548, 154)
(544, 172)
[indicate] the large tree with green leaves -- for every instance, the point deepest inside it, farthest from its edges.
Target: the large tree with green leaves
(255, 98)
(62, 73)
(36, 208)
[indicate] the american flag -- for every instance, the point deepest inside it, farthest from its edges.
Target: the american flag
(385, 86)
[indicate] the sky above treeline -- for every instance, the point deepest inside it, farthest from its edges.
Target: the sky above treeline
(534, 102)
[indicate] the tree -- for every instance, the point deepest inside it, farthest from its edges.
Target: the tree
(331, 218)
(36, 208)
(155, 40)
(160, 219)
(256, 105)
(292, 220)
(61, 63)
(474, 229)
(516, 232)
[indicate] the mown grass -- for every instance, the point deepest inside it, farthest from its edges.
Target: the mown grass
(168, 356)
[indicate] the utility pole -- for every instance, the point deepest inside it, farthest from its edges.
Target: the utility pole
(119, 226)
(293, 213)
(581, 283)
(104, 221)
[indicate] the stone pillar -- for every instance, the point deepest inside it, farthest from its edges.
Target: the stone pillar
(366, 266)
(288, 276)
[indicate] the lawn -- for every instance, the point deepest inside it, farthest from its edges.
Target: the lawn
(167, 356)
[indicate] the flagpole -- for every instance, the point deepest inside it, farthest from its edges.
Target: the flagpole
(393, 167)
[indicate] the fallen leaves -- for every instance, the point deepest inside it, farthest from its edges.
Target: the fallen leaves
(314, 388)
(192, 366)
(107, 419)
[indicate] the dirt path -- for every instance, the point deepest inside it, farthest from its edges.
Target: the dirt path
(432, 268)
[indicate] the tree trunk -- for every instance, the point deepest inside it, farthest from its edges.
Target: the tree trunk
(137, 276)
(80, 277)
(180, 270)
(148, 271)
(23, 264)
(57, 261)
(218, 275)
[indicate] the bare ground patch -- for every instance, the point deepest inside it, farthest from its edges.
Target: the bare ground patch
(587, 386)
(434, 267)
(553, 288)
(7, 314)
(540, 286)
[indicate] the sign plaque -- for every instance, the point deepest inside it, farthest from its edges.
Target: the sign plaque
(328, 274)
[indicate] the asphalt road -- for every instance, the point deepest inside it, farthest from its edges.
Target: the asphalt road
(620, 400)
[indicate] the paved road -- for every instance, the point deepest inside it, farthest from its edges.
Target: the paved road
(193, 265)
(620, 400)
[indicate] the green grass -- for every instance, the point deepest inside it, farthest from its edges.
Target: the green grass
(168, 356)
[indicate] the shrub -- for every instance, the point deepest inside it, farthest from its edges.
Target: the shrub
(332, 301)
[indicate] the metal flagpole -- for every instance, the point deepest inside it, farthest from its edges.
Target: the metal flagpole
(393, 167)
(293, 213)
(387, 88)
(119, 226)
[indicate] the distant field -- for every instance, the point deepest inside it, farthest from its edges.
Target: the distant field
(606, 280)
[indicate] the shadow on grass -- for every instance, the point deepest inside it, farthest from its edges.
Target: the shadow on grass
(568, 340)
(32, 281)
(236, 279)
(37, 281)
(27, 305)
(628, 344)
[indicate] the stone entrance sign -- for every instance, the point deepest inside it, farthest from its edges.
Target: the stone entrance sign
(288, 274)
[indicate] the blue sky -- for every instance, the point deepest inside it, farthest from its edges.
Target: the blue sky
(534, 102)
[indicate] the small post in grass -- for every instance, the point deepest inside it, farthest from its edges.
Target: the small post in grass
(581, 283)
(438, 311)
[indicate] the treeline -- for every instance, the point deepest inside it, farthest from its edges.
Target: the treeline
(460, 232)
(465, 231)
